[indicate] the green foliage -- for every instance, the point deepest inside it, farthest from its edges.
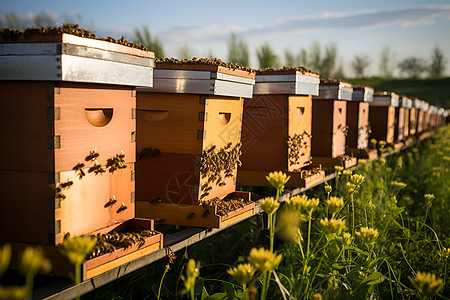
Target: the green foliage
(435, 91)
(267, 57)
(438, 63)
(238, 51)
(152, 43)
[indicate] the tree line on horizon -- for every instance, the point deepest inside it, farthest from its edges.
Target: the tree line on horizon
(321, 59)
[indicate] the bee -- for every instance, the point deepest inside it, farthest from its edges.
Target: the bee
(97, 169)
(66, 185)
(122, 208)
(205, 213)
(93, 155)
(79, 170)
(155, 199)
(170, 256)
(111, 202)
(190, 216)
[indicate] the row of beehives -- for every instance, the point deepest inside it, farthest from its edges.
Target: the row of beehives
(97, 139)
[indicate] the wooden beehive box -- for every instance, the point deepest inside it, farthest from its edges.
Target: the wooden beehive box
(413, 115)
(67, 96)
(406, 103)
(277, 128)
(358, 123)
(420, 104)
(382, 116)
(193, 116)
(99, 264)
(426, 115)
(329, 127)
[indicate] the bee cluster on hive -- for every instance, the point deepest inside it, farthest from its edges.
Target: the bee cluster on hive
(147, 151)
(204, 61)
(295, 143)
(302, 70)
(74, 29)
(225, 206)
(110, 242)
(216, 166)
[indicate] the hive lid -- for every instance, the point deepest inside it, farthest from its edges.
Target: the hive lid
(425, 105)
(202, 76)
(385, 99)
(67, 57)
(334, 89)
(405, 102)
(362, 93)
(291, 81)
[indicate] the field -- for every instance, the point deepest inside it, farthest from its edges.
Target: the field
(381, 232)
(435, 91)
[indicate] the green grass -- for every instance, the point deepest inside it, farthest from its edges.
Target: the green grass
(435, 91)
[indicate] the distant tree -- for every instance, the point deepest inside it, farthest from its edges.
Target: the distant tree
(387, 62)
(238, 51)
(360, 64)
(329, 61)
(185, 52)
(267, 57)
(438, 62)
(290, 59)
(152, 43)
(339, 73)
(413, 66)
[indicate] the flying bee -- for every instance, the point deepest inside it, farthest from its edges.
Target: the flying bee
(122, 208)
(111, 202)
(92, 155)
(66, 185)
(79, 170)
(190, 216)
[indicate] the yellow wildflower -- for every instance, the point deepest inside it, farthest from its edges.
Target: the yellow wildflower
(192, 272)
(357, 179)
(426, 283)
(367, 235)
(278, 180)
(398, 184)
(264, 260)
(335, 204)
(347, 172)
(332, 225)
(13, 292)
(5, 257)
(328, 188)
(76, 249)
(338, 169)
(269, 205)
(302, 204)
(33, 260)
(242, 273)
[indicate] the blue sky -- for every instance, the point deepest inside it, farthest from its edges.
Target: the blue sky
(408, 27)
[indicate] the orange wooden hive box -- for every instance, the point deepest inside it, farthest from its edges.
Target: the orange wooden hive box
(276, 133)
(67, 97)
(358, 123)
(406, 104)
(413, 114)
(382, 116)
(329, 127)
(420, 113)
(193, 116)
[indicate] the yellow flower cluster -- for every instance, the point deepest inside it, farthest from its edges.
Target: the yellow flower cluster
(242, 273)
(302, 204)
(357, 179)
(426, 283)
(347, 172)
(269, 205)
(33, 260)
(346, 238)
(338, 169)
(5, 257)
(398, 184)
(335, 204)
(264, 260)
(332, 225)
(192, 272)
(13, 292)
(278, 180)
(76, 249)
(367, 235)
(328, 188)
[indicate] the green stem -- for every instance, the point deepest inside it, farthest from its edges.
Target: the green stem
(244, 288)
(78, 279)
(264, 287)
(29, 282)
(162, 279)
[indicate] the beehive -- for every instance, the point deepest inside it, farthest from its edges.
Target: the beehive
(406, 103)
(420, 106)
(413, 114)
(329, 127)
(193, 116)
(358, 123)
(426, 115)
(277, 128)
(67, 97)
(382, 116)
